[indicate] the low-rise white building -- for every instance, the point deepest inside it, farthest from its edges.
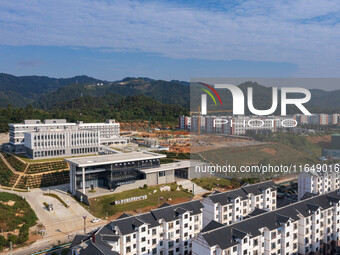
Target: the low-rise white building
(232, 206)
(318, 182)
(310, 226)
(56, 137)
(167, 230)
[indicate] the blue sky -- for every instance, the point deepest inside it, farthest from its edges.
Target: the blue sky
(170, 39)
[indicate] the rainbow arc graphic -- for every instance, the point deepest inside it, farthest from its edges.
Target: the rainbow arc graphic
(210, 94)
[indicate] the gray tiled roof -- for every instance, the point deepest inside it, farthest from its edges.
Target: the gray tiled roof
(256, 211)
(212, 225)
(168, 213)
(224, 236)
(124, 215)
(225, 198)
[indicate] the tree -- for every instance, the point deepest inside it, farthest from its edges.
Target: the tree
(3, 242)
(12, 239)
(23, 234)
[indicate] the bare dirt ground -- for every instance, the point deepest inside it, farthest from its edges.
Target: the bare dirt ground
(286, 178)
(208, 142)
(270, 151)
(322, 141)
(139, 125)
(4, 138)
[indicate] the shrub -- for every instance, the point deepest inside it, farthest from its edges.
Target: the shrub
(3, 242)
(12, 238)
(65, 251)
(145, 186)
(23, 234)
(16, 163)
(56, 197)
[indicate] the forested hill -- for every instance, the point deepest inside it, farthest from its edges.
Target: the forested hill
(47, 93)
(44, 92)
(172, 92)
(97, 109)
(25, 90)
(92, 100)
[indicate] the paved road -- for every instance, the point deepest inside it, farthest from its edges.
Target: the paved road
(59, 223)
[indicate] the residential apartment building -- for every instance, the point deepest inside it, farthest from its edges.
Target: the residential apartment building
(310, 226)
(184, 122)
(232, 206)
(167, 230)
(263, 124)
(318, 182)
(239, 125)
(56, 137)
(318, 119)
(333, 119)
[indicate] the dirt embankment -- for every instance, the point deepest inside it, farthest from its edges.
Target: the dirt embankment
(4, 138)
(322, 141)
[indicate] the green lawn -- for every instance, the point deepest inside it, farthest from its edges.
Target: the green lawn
(11, 216)
(214, 182)
(100, 206)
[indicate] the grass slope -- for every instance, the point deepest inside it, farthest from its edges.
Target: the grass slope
(101, 205)
(11, 217)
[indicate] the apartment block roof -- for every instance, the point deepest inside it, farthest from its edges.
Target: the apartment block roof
(226, 236)
(96, 244)
(225, 198)
(127, 225)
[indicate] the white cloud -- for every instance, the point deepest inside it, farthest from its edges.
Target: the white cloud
(256, 30)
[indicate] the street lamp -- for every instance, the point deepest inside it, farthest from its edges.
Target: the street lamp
(84, 217)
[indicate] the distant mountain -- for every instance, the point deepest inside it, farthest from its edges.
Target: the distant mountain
(321, 101)
(52, 93)
(162, 91)
(24, 90)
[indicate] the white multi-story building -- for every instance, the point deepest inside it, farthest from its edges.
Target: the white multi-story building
(59, 143)
(17, 131)
(333, 119)
(108, 131)
(184, 122)
(239, 125)
(232, 206)
(310, 226)
(323, 119)
(167, 230)
(54, 138)
(318, 182)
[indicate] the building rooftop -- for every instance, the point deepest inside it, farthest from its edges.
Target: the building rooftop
(127, 225)
(176, 165)
(225, 236)
(225, 198)
(113, 158)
